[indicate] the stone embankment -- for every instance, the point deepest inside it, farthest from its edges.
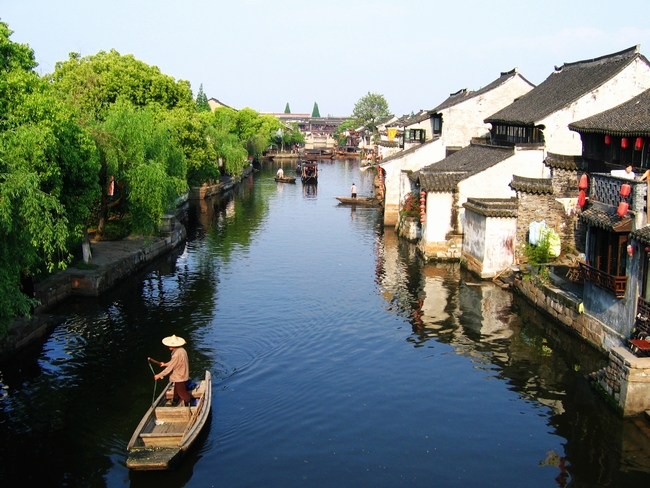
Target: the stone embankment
(112, 262)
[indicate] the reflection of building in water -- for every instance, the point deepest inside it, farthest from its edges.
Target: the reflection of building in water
(491, 306)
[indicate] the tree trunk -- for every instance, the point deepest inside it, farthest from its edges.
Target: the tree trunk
(85, 247)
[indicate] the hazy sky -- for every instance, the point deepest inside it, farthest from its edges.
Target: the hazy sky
(263, 54)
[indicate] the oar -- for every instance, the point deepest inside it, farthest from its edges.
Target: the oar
(152, 360)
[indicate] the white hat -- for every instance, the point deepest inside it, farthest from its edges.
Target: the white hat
(173, 341)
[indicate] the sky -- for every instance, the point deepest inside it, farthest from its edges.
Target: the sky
(264, 54)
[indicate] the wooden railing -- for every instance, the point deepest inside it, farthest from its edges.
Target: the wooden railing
(614, 284)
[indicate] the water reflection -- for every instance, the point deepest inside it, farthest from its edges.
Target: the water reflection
(351, 364)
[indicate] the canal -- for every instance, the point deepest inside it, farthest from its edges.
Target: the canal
(338, 359)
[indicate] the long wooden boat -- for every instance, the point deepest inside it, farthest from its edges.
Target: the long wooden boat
(165, 432)
(285, 179)
(363, 201)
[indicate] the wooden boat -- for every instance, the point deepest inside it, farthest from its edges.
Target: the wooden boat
(165, 432)
(285, 179)
(364, 201)
(309, 172)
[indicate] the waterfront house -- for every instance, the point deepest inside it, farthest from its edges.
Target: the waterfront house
(432, 135)
(614, 218)
(535, 130)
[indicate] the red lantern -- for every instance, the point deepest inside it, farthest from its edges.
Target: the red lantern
(625, 190)
(638, 144)
(624, 142)
(423, 193)
(582, 198)
(622, 209)
(584, 182)
(608, 139)
(422, 219)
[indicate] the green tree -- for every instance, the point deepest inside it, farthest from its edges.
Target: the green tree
(369, 110)
(315, 112)
(287, 110)
(93, 83)
(48, 177)
(127, 105)
(340, 132)
(202, 104)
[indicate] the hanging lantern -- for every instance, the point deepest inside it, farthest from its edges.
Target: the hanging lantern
(625, 190)
(584, 182)
(608, 139)
(622, 209)
(624, 142)
(638, 144)
(423, 193)
(422, 219)
(582, 198)
(422, 200)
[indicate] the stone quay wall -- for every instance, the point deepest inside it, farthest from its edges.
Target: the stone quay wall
(626, 380)
(566, 309)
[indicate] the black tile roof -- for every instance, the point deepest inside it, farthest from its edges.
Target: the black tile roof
(631, 118)
(532, 185)
(493, 207)
(447, 173)
(465, 94)
(562, 161)
(609, 221)
(642, 235)
(564, 86)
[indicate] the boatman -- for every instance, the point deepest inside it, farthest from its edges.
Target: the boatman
(178, 366)
(353, 190)
(280, 173)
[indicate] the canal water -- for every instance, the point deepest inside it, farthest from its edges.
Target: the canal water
(338, 359)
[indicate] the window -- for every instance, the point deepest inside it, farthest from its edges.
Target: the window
(415, 135)
(436, 122)
(607, 251)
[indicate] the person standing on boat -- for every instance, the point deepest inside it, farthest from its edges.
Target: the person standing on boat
(353, 190)
(178, 366)
(280, 173)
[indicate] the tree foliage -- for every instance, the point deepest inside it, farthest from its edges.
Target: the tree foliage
(369, 110)
(287, 110)
(93, 83)
(314, 111)
(202, 104)
(48, 177)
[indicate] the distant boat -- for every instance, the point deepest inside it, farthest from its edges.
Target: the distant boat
(362, 201)
(166, 432)
(285, 179)
(309, 172)
(318, 153)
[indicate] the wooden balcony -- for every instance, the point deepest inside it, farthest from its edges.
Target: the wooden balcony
(614, 284)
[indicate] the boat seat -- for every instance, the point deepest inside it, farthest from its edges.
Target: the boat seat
(161, 434)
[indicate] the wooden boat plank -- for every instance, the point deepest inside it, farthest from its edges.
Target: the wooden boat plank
(365, 201)
(152, 459)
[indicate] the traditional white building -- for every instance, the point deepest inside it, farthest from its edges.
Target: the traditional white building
(521, 136)
(430, 136)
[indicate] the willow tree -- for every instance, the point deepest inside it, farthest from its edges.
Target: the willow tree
(48, 177)
(122, 101)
